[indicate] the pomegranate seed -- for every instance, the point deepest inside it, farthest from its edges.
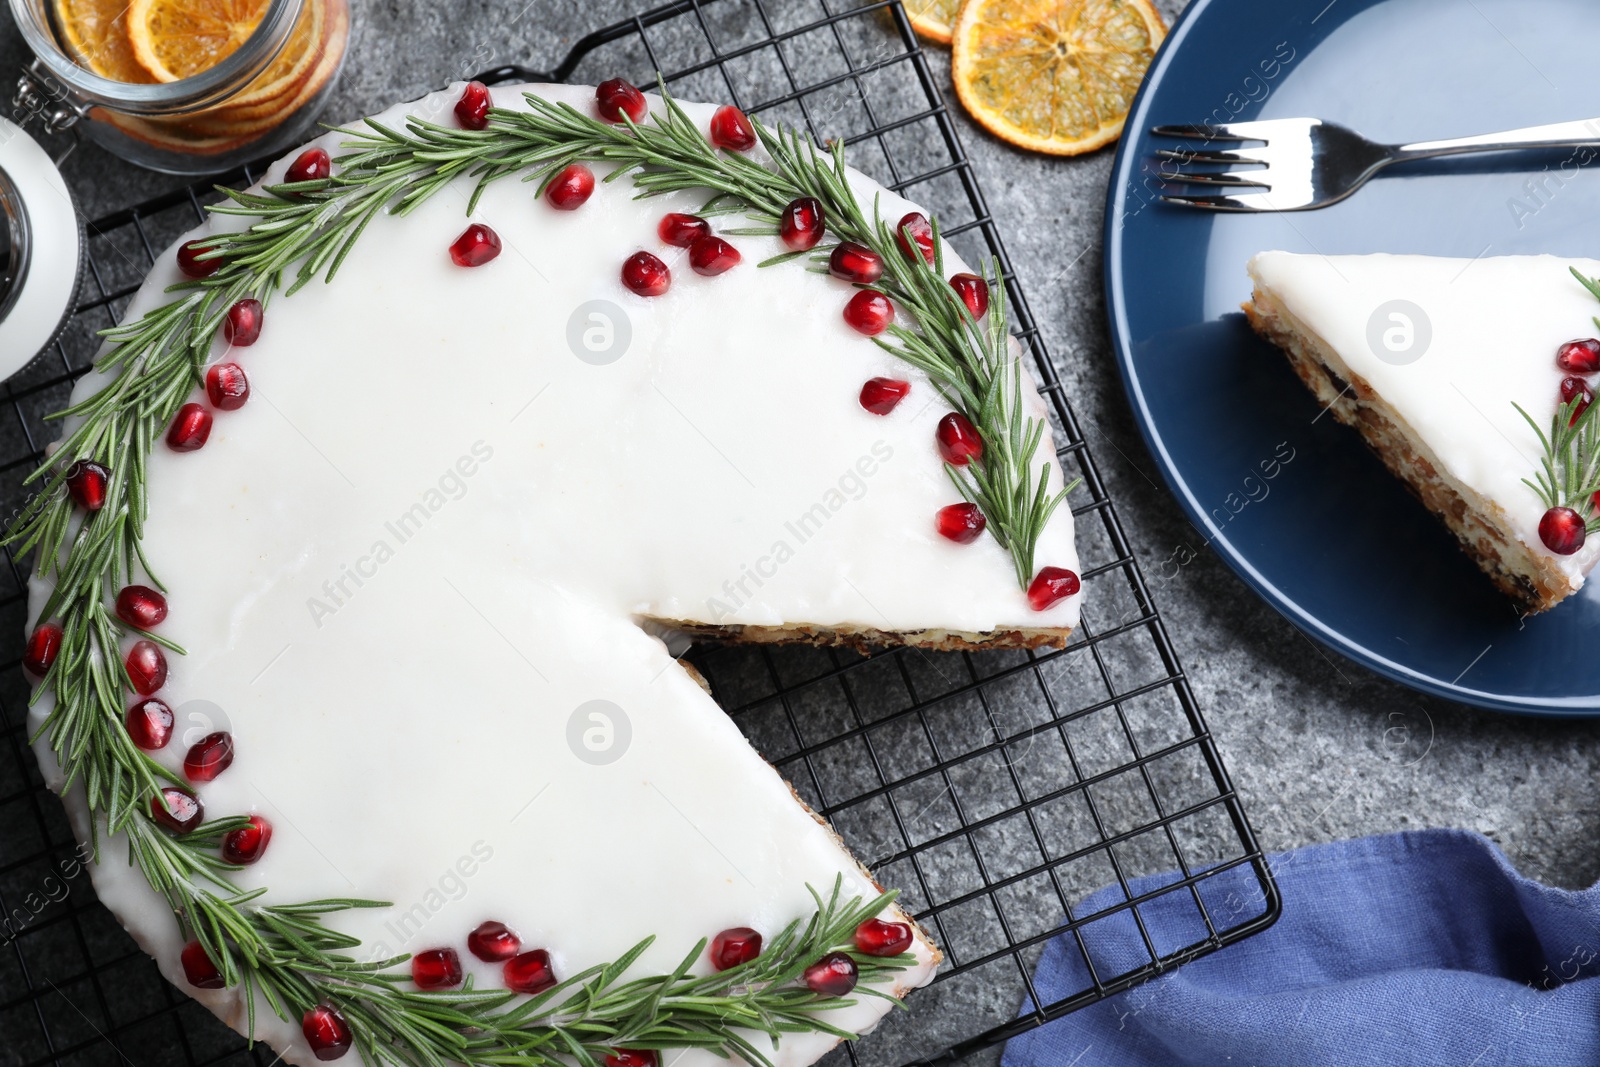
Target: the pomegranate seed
(437, 968)
(1050, 585)
(182, 811)
(631, 1057)
(959, 442)
(198, 968)
(189, 429)
(529, 972)
(961, 523)
(571, 189)
(247, 844)
(227, 386)
(326, 1032)
(44, 645)
(645, 274)
(1562, 531)
(802, 224)
(833, 975)
(86, 481)
(150, 724)
(242, 324)
(869, 312)
(141, 607)
(472, 110)
(476, 246)
(1579, 357)
(915, 225)
(731, 129)
(190, 263)
(209, 757)
(311, 165)
(855, 263)
(1576, 389)
(147, 667)
(734, 946)
(973, 291)
(878, 938)
(880, 395)
(493, 942)
(616, 98)
(682, 230)
(712, 256)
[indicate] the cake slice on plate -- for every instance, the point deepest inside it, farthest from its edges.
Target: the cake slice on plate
(1464, 377)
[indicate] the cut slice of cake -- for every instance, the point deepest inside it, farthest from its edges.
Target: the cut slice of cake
(421, 533)
(1435, 361)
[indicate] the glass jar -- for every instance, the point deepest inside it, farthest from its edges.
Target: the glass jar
(257, 98)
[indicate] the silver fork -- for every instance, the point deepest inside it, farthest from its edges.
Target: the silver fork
(1308, 163)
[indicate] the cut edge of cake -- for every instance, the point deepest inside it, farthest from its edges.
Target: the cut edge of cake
(1482, 526)
(896, 912)
(865, 639)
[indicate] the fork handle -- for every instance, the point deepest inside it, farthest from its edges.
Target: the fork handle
(1576, 134)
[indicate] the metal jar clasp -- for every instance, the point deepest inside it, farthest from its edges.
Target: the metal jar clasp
(40, 96)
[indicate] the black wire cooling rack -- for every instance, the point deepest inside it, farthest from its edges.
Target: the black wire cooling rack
(997, 790)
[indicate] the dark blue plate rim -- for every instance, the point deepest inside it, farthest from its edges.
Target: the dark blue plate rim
(1130, 150)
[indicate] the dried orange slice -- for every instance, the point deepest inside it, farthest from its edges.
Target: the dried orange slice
(293, 62)
(170, 136)
(932, 19)
(1055, 76)
(209, 134)
(254, 121)
(175, 39)
(96, 34)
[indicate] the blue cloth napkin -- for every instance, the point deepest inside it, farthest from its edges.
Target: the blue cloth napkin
(1423, 948)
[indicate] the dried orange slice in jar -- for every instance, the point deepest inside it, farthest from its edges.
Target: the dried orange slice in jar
(251, 120)
(96, 34)
(932, 19)
(282, 78)
(175, 39)
(218, 130)
(289, 70)
(1056, 76)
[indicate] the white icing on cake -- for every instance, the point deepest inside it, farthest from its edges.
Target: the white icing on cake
(1495, 326)
(510, 513)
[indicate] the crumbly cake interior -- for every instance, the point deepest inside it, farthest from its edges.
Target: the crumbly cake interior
(865, 639)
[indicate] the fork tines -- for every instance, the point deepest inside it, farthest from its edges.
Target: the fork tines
(1225, 131)
(1247, 180)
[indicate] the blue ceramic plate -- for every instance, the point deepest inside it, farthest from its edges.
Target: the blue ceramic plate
(1294, 501)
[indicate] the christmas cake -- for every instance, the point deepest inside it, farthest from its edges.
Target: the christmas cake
(365, 555)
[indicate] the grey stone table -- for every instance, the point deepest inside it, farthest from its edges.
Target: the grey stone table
(1319, 748)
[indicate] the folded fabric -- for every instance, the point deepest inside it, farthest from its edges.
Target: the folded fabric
(1422, 948)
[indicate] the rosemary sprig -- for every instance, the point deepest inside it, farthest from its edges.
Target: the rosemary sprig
(1569, 469)
(974, 365)
(1569, 474)
(292, 234)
